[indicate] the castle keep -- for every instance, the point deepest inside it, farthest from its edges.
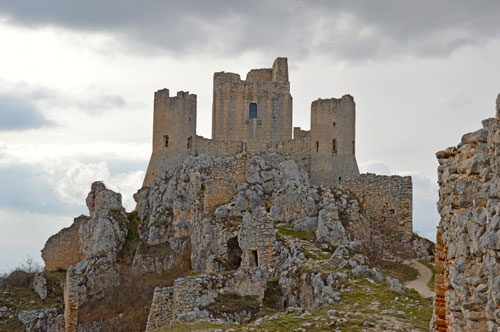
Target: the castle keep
(255, 116)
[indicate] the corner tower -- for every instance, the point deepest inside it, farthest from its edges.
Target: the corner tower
(333, 140)
(257, 110)
(174, 132)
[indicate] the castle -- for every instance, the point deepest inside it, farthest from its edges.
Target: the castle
(255, 116)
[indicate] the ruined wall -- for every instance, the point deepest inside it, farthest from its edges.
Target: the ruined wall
(332, 140)
(231, 107)
(223, 148)
(384, 198)
(174, 132)
(61, 250)
(190, 298)
(469, 205)
(223, 178)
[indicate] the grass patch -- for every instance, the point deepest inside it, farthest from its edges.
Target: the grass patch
(200, 326)
(306, 236)
(402, 272)
(431, 266)
(126, 255)
(233, 303)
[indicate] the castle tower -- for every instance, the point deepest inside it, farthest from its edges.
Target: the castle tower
(333, 140)
(257, 110)
(174, 132)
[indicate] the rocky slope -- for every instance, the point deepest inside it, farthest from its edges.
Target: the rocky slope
(226, 240)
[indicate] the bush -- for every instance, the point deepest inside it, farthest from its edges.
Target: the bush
(22, 276)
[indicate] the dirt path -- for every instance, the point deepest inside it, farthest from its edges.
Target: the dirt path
(420, 284)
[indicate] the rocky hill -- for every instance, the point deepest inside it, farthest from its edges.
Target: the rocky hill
(242, 242)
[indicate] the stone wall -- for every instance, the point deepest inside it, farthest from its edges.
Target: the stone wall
(468, 285)
(384, 198)
(61, 250)
(222, 148)
(189, 299)
(232, 98)
(223, 178)
(332, 140)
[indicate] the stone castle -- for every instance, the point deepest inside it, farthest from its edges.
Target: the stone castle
(255, 116)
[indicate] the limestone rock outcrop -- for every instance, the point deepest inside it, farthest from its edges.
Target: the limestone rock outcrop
(468, 240)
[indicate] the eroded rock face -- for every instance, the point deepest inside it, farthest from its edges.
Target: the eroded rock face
(467, 292)
(101, 237)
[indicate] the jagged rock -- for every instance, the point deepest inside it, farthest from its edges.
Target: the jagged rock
(330, 229)
(43, 320)
(305, 225)
(40, 285)
(394, 285)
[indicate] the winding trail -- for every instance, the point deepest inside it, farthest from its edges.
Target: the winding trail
(420, 284)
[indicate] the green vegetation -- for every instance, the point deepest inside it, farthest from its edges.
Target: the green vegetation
(306, 236)
(431, 266)
(402, 272)
(233, 303)
(126, 255)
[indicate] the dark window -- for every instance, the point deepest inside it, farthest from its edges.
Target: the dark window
(190, 143)
(340, 178)
(255, 258)
(253, 111)
(317, 146)
(334, 124)
(165, 140)
(334, 146)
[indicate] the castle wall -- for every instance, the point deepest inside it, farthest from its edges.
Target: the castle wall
(220, 186)
(384, 198)
(468, 250)
(332, 140)
(231, 107)
(224, 148)
(174, 132)
(62, 250)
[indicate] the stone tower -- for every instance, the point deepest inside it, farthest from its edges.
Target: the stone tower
(174, 131)
(257, 110)
(333, 140)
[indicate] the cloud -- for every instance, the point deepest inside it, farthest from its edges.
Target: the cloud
(24, 234)
(17, 113)
(343, 29)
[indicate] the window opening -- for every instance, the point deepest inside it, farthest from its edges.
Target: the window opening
(190, 143)
(165, 141)
(255, 258)
(317, 146)
(334, 146)
(253, 111)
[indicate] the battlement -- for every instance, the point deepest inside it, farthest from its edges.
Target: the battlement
(254, 116)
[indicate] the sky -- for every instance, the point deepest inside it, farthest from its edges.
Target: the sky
(77, 80)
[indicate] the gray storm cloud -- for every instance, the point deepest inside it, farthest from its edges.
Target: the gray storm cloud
(353, 30)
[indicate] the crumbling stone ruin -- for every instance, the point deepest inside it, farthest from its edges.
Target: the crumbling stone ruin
(260, 217)
(468, 242)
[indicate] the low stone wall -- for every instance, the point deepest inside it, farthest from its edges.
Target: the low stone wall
(62, 250)
(384, 198)
(468, 249)
(189, 299)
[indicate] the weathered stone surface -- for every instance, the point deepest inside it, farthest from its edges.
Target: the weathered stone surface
(43, 320)
(468, 242)
(190, 298)
(40, 285)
